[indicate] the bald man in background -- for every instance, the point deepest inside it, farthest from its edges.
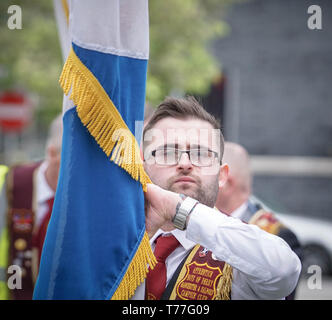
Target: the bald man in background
(234, 199)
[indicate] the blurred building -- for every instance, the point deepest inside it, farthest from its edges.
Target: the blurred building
(278, 100)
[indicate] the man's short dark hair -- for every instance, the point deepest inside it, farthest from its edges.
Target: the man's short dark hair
(184, 108)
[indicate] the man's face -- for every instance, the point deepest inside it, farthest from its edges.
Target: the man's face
(197, 182)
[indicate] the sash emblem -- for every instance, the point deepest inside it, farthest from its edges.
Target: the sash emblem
(203, 252)
(199, 282)
(22, 220)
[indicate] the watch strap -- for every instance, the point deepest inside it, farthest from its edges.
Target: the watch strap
(183, 211)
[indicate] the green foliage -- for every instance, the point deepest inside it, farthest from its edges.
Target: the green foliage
(180, 34)
(30, 58)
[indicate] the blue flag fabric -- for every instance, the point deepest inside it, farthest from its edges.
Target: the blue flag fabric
(96, 246)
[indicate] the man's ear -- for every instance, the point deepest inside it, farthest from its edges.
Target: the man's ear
(223, 175)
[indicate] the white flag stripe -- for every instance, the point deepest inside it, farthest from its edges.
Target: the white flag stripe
(63, 28)
(109, 31)
(67, 103)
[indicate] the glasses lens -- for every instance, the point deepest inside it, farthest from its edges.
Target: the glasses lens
(201, 158)
(166, 156)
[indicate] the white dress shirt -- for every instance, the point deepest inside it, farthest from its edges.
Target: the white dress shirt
(264, 266)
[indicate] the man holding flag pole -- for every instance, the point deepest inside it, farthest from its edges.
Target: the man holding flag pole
(202, 253)
(98, 241)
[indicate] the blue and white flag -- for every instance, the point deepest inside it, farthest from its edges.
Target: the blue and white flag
(96, 245)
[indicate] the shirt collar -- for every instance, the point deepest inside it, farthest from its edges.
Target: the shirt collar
(179, 235)
(238, 213)
(44, 191)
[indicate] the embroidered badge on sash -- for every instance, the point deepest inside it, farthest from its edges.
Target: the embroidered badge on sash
(199, 282)
(22, 220)
(203, 252)
(201, 278)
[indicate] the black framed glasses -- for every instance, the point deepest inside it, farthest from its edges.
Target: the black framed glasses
(171, 156)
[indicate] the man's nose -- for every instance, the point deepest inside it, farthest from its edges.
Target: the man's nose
(185, 162)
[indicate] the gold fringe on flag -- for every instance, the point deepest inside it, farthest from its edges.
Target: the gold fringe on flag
(136, 271)
(104, 122)
(99, 115)
(225, 283)
(66, 10)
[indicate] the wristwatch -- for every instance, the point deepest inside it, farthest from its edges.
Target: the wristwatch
(183, 210)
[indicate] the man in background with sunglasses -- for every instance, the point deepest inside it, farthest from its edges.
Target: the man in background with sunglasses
(202, 253)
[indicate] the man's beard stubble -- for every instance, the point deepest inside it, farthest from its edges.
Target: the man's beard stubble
(204, 194)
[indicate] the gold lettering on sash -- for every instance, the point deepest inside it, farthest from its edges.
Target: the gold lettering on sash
(199, 282)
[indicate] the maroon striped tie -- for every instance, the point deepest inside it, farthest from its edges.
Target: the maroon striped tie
(156, 279)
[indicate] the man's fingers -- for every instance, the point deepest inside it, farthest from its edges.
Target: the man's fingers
(151, 192)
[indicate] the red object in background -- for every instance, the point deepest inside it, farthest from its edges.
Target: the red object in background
(15, 111)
